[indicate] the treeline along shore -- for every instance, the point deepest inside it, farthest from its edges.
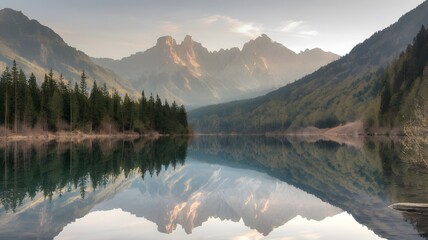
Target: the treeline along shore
(57, 106)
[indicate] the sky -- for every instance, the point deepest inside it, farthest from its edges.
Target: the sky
(117, 29)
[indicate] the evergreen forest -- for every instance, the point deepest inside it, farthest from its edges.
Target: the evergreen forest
(59, 106)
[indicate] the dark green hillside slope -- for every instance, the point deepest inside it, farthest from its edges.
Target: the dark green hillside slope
(405, 84)
(345, 90)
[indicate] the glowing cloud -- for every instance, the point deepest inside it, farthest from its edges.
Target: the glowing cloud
(248, 29)
(291, 26)
(298, 29)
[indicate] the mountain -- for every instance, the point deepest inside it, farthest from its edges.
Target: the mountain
(192, 75)
(198, 191)
(346, 90)
(37, 48)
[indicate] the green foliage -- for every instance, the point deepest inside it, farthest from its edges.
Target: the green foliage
(83, 84)
(55, 105)
(405, 83)
(6, 93)
(327, 122)
(416, 136)
(98, 106)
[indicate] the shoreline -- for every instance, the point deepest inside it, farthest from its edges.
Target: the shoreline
(352, 133)
(74, 136)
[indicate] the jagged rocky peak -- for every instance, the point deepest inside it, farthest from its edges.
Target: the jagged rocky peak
(187, 40)
(166, 41)
(262, 43)
(263, 38)
(188, 44)
(313, 50)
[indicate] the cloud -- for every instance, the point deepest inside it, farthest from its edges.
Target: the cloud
(291, 26)
(297, 29)
(252, 29)
(247, 29)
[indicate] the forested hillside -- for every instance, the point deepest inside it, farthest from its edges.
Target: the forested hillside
(405, 83)
(56, 105)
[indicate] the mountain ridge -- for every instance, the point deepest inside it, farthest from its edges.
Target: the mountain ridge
(190, 73)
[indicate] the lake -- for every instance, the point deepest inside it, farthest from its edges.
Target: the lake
(209, 187)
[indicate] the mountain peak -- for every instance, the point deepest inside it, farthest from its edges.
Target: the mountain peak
(263, 39)
(263, 43)
(10, 11)
(166, 40)
(38, 48)
(12, 15)
(187, 42)
(187, 39)
(16, 27)
(313, 50)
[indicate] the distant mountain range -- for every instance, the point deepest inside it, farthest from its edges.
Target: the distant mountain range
(185, 72)
(37, 48)
(190, 74)
(348, 89)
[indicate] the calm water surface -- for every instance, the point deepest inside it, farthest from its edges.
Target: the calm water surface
(208, 188)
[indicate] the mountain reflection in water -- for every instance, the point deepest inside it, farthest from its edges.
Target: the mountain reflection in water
(266, 184)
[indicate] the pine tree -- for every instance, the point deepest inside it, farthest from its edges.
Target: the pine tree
(6, 80)
(97, 106)
(151, 111)
(34, 93)
(55, 108)
(128, 113)
(159, 118)
(143, 108)
(2, 100)
(70, 90)
(117, 110)
(22, 98)
(182, 117)
(83, 84)
(15, 97)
